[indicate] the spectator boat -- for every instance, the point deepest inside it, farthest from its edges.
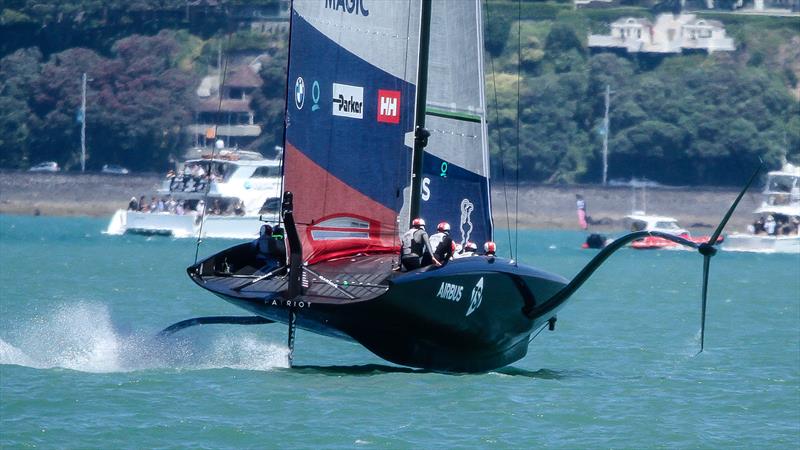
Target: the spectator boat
(221, 195)
(640, 221)
(781, 203)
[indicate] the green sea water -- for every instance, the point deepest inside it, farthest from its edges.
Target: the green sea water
(80, 367)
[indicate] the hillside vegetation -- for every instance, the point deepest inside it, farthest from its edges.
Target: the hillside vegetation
(680, 119)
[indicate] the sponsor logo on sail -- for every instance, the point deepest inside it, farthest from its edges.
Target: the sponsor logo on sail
(315, 95)
(348, 101)
(350, 6)
(299, 93)
(388, 106)
(476, 298)
(466, 220)
(449, 291)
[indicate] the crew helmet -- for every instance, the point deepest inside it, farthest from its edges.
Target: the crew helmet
(489, 247)
(470, 246)
(443, 226)
(418, 223)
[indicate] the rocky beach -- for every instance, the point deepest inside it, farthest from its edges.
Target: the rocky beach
(539, 206)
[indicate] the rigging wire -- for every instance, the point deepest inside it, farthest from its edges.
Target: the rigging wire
(401, 174)
(500, 148)
(213, 151)
(519, 81)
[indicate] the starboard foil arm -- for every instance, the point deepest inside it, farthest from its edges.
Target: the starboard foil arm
(209, 320)
(567, 291)
(706, 249)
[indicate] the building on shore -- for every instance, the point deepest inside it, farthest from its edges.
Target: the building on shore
(669, 34)
(760, 7)
(224, 110)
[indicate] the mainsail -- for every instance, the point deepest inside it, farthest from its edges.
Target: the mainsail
(352, 89)
(350, 121)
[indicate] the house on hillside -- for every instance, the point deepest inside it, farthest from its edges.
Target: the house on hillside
(231, 119)
(779, 7)
(669, 34)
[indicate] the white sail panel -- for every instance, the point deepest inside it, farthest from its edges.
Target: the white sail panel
(376, 31)
(455, 103)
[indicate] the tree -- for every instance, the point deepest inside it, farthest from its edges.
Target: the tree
(137, 103)
(17, 71)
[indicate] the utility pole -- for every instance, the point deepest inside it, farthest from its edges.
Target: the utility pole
(83, 125)
(605, 135)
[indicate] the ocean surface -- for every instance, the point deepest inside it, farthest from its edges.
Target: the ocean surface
(80, 366)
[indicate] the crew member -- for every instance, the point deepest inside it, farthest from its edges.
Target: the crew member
(469, 250)
(442, 243)
(277, 245)
(489, 248)
(262, 243)
(415, 246)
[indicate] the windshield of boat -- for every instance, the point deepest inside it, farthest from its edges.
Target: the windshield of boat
(667, 225)
(267, 172)
(779, 183)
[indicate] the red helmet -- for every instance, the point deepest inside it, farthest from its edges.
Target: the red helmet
(443, 226)
(418, 223)
(489, 247)
(470, 246)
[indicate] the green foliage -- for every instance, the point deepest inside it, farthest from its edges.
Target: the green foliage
(683, 119)
(707, 118)
(137, 102)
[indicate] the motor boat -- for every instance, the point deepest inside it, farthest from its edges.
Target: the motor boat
(776, 228)
(662, 224)
(221, 194)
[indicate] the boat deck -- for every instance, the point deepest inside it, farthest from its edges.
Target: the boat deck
(347, 279)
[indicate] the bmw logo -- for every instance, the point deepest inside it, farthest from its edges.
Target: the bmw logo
(299, 92)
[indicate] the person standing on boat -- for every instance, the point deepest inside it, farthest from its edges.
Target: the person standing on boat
(770, 225)
(143, 204)
(489, 248)
(582, 219)
(416, 246)
(442, 243)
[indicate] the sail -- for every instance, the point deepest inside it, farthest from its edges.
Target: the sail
(351, 95)
(455, 185)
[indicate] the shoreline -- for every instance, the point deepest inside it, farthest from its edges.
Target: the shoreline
(540, 206)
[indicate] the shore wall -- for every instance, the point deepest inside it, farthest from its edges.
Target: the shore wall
(539, 206)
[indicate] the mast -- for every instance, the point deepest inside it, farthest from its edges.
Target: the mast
(420, 133)
(83, 125)
(605, 135)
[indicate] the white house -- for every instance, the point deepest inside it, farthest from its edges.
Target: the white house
(670, 34)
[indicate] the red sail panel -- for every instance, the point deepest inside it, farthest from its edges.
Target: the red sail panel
(358, 225)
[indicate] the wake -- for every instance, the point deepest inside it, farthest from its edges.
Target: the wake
(82, 337)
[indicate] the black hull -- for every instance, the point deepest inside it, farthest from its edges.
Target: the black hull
(472, 315)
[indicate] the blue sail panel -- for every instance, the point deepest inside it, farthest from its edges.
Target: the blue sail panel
(457, 196)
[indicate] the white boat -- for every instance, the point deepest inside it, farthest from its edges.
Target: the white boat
(639, 221)
(776, 228)
(243, 190)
